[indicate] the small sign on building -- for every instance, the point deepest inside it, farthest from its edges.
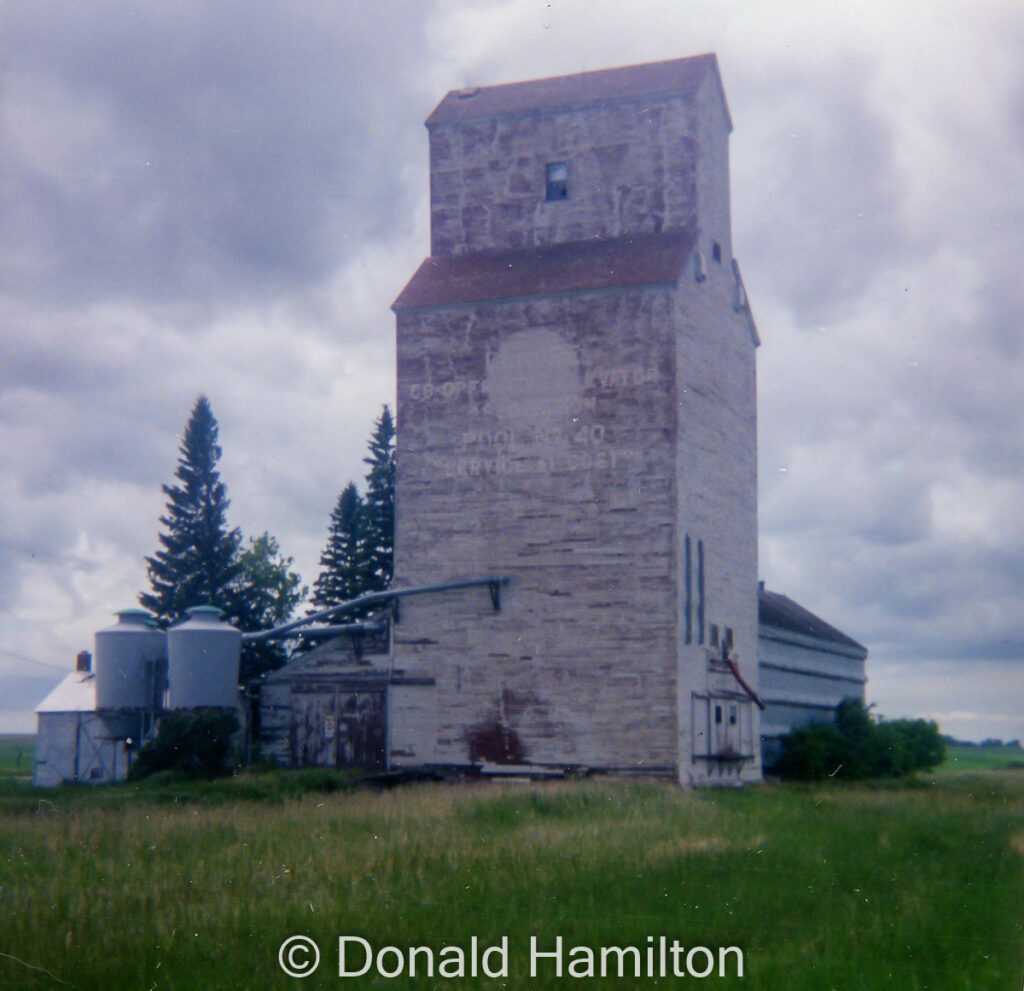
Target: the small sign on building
(329, 727)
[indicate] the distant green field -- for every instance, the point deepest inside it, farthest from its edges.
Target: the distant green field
(17, 755)
(837, 886)
(961, 758)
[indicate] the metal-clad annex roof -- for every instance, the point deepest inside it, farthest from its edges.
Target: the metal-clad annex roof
(605, 263)
(76, 693)
(781, 612)
(580, 89)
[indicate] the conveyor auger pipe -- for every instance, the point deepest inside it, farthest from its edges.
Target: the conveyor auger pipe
(372, 598)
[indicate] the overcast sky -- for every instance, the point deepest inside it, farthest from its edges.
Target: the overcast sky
(225, 198)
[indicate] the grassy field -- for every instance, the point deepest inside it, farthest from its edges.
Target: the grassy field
(842, 887)
(17, 756)
(961, 758)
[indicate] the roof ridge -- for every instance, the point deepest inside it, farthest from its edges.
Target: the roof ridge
(660, 78)
(786, 613)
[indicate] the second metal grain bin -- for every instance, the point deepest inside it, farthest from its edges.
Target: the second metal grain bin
(203, 654)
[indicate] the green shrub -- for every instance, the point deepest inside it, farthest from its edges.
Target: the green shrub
(196, 744)
(855, 746)
(911, 745)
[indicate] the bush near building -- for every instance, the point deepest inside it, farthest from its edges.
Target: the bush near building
(855, 746)
(196, 744)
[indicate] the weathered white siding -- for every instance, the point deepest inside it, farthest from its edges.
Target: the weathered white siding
(571, 494)
(578, 441)
(632, 170)
(87, 747)
(328, 708)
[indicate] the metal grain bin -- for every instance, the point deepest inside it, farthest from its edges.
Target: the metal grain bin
(130, 662)
(203, 656)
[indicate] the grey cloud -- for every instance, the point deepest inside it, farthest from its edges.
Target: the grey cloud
(54, 440)
(223, 149)
(821, 210)
(929, 599)
(23, 693)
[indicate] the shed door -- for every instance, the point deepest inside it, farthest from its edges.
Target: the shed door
(731, 726)
(339, 728)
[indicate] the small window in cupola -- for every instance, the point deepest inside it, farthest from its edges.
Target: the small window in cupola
(556, 181)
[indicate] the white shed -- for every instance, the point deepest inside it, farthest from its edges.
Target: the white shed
(76, 743)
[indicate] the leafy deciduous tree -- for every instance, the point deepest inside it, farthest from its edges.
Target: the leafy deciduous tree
(264, 594)
(855, 746)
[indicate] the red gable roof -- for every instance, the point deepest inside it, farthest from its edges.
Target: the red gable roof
(580, 89)
(606, 263)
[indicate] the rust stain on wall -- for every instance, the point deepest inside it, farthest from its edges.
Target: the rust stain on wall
(496, 743)
(496, 739)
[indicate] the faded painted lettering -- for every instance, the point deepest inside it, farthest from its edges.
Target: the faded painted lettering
(447, 391)
(622, 376)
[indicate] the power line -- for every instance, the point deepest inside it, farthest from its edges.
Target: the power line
(30, 660)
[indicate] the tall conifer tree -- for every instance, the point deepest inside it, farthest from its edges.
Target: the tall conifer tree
(359, 556)
(340, 576)
(378, 517)
(197, 560)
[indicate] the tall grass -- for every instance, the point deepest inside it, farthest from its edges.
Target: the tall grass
(846, 887)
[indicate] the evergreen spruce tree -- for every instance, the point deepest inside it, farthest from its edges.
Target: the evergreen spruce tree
(378, 516)
(340, 575)
(197, 560)
(359, 556)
